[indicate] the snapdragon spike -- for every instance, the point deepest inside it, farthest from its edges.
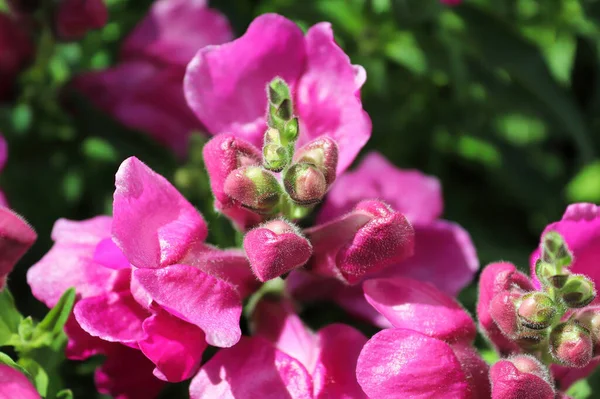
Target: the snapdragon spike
(276, 248)
(16, 237)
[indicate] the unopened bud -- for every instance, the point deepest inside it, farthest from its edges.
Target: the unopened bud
(590, 319)
(305, 184)
(555, 250)
(275, 157)
(571, 344)
(537, 310)
(321, 153)
(291, 130)
(578, 291)
(254, 187)
(520, 376)
(503, 309)
(278, 91)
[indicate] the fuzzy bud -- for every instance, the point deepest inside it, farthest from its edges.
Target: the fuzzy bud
(537, 310)
(503, 310)
(321, 153)
(305, 184)
(520, 376)
(254, 187)
(275, 157)
(578, 291)
(590, 319)
(571, 344)
(555, 250)
(276, 248)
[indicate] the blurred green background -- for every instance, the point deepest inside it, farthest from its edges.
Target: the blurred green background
(500, 99)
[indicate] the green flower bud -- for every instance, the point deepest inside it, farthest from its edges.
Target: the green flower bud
(536, 311)
(254, 187)
(555, 251)
(275, 157)
(291, 130)
(278, 91)
(578, 291)
(305, 184)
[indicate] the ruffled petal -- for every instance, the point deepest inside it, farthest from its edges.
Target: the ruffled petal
(198, 298)
(399, 363)
(225, 85)
(153, 224)
(174, 346)
(421, 307)
(326, 99)
(253, 365)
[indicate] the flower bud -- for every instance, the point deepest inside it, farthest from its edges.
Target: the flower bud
(503, 309)
(578, 291)
(305, 184)
(571, 344)
(537, 310)
(254, 187)
(321, 153)
(278, 91)
(521, 376)
(291, 130)
(590, 319)
(276, 248)
(275, 157)
(555, 250)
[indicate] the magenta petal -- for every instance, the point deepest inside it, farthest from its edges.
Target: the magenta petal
(421, 307)
(278, 323)
(70, 262)
(198, 298)
(82, 345)
(153, 224)
(252, 366)
(566, 376)
(174, 346)
(113, 317)
(335, 372)
(475, 368)
(416, 195)
(325, 100)
(109, 255)
(174, 30)
(508, 382)
(14, 384)
(275, 248)
(398, 363)
(127, 374)
(444, 255)
(3, 152)
(16, 237)
(225, 85)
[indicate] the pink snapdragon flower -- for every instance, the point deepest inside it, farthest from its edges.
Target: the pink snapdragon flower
(428, 352)
(13, 384)
(145, 280)
(16, 237)
(16, 51)
(74, 18)
(292, 361)
(144, 91)
(225, 85)
(443, 254)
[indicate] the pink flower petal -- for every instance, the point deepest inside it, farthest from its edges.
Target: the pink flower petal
(154, 225)
(416, 195)
(145, 97)
(174, 30)
(16, 237)
(275, 248)
(421, 307)
(198, 298)
(496, 278)
(113, 317)
(508, 382)
(335, 372)
(127, 374)
(82, 345)
(70, 262)
(399, 363)
(278, 323)
(252, 366)
(444, 255)
(475, 368)
(325, 100)
(174, 346)
(109, 255)
(225, 85)
(566, 376)
(13, 384)
(3, 152)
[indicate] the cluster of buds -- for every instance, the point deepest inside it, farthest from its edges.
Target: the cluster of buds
(553, 321)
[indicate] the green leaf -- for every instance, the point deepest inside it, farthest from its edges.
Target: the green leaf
(65, 394)
(585, 186)
(5, 359)
(58, 315)
(9, 317)
(580, 390)
(499, 46)
(38, 375)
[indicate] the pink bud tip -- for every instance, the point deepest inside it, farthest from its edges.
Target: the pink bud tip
(253, 187)
(571, 345)
(321, 153)
(590, 319)
(305, 184)
(504, 312)
(16, 237)
(276, 248)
